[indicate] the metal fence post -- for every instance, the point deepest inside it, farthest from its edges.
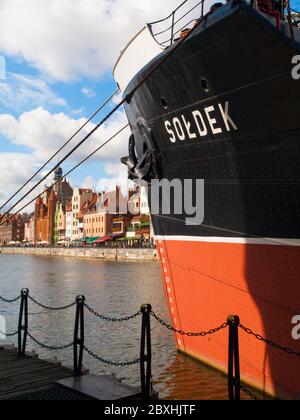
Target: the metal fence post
(23, 323)
(78, 345)
(146, 353)
(234, 376)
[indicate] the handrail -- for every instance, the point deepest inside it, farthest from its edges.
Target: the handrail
(168, 17)
(180, 19)
(178, 31)
(174, 20)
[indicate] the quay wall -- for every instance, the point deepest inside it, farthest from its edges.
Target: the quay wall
(109, 254)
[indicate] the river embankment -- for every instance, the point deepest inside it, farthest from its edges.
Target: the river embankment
(109, 254)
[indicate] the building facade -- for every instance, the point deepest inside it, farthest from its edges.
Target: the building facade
(46, 211)
(145, 210)
(29, 234)
(100, 212)
(69, 221)
(13, 230)
(134, 201)
(79, 199)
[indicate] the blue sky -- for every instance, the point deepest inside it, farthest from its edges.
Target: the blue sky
(59, 57)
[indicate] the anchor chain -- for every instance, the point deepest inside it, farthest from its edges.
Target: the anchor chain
(109, 362)
(189, 334)
(110, 319)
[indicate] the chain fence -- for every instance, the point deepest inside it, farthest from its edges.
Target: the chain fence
(109, 362)
(249, 393)
(51, 348)
(82, 304)
(188, 334)
(269, 342)
(10, 300)
(51, 308)
(8, 335)
(110, 319)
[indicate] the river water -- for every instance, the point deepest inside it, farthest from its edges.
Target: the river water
(112, 288)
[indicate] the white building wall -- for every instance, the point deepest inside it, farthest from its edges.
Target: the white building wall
(145, 210)
(69, 224)
(80, 197)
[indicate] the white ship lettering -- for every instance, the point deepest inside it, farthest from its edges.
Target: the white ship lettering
(213, 119)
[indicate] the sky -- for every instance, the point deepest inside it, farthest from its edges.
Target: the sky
(59, 56)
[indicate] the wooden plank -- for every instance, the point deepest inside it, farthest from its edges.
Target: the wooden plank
(20, 375)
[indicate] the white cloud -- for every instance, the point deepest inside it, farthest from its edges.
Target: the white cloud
(44, 133)
(16, 168)
(68, 39)
(89, 182)
(88, 93)
(117, 175)
(20, 92)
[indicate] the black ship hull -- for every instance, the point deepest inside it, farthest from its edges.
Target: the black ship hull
(225, 108)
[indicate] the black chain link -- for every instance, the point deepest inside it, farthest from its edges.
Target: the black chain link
(189, 334)
(8, 334)
(10, 300)
(49, 308)
(109, 362)
(249, 393)
(109, 319)
(44, 346)
(269, 342)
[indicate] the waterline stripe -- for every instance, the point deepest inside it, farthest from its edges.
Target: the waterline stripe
(227, 240)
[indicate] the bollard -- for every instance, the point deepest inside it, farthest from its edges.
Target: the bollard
(234, 376)
(78, 345)
(146, 353)
(23, 323)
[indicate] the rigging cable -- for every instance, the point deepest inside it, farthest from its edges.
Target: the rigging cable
(126, 99)
(57, 152)
(68, 173)
(65, 158)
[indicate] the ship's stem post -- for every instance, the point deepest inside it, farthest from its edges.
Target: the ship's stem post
(23, 323)
(234, 376)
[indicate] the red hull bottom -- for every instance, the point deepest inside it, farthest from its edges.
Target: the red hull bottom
(205, 282)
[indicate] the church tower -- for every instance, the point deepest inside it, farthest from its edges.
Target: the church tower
(58, 173)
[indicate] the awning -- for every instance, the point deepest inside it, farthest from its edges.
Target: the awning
(92, 240)
(89, 239)
(103, 239)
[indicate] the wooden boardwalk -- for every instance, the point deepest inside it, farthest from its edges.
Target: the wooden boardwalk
(21, 375)
(29, 378)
